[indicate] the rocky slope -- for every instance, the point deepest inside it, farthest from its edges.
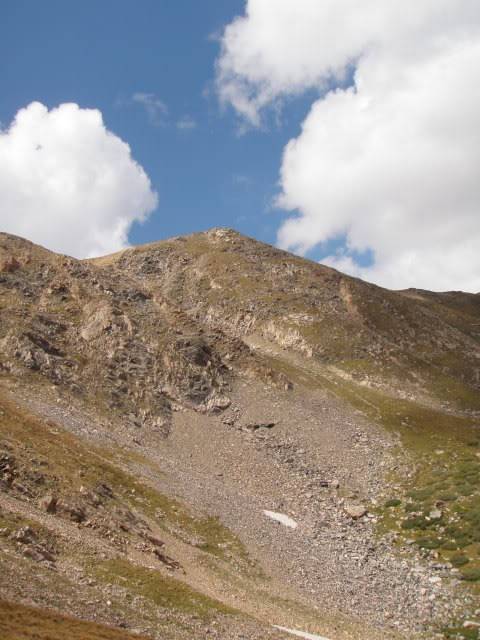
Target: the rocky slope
(156, 402)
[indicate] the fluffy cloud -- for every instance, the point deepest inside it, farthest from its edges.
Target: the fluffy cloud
(391, 163)
(68, 183)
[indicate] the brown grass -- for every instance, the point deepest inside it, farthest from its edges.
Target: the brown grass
(19, 622)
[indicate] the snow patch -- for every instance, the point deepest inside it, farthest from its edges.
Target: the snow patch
(282, 518)
(300, 634)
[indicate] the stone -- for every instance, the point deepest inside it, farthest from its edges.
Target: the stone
(170, 563)
(217, 403)
(355, 511)
(155, 541)
(104, 490)
(260, 425)
(471, 624)
(32, 553)
(49, 503)
(24, 535)
(10, 265)
(75, 512)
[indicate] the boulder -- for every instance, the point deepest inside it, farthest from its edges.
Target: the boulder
(10, 265)
(38, 554)
(170, 563)
(24, 535)
(155, 541)
(49, 503)
(355, 511)
(75, 512)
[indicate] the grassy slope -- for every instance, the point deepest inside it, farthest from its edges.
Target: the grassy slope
(19, 622)
(68, 465)
(163, 591)
(444, 451)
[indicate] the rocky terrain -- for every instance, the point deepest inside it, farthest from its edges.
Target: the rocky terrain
(208, 437)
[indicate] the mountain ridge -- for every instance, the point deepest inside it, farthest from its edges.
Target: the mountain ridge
(158, 402)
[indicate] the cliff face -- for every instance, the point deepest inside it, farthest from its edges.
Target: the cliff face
(420, 342)
(110, 337)
(158, 402)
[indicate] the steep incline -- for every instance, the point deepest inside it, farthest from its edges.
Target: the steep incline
(158, 405)
(417, 342)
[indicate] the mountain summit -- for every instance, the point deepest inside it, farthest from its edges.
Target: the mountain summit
(235, 439)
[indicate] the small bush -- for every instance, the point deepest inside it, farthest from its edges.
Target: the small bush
(459, 559)
(447, 497)
(476, 536)
(449, 546)
(473, 516)
(411, 506)
(428, 543)
(460, 633)
(416, 522)
(420, 494)
(463, 540)
(394, 502)
(468, 466)
(472, 575)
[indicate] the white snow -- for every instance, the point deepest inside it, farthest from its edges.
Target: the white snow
(282, 518)
(300, 634)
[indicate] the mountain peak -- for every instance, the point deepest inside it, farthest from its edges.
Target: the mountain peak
(209, 409)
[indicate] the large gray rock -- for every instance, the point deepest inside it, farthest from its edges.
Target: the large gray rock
(356, 510)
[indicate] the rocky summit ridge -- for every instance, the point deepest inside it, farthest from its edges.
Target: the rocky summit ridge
(158, 405)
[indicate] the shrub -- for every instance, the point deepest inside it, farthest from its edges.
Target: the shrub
(459, 559)
(411, 506)
(428, 543)
(416, 522)
(463, 540)
(420, 494)
(472, 575)
(447, 497)
(449, 546)
(460, 633)
(394, 502)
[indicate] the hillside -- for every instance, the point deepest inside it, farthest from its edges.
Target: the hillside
(155, 403)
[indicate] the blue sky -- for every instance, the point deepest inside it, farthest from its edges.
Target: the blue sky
(101, 53)
(380, 179)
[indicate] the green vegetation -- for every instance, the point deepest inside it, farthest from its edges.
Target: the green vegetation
(428, 543)
(438, 506)
(394, 502)
(471, 575)
(459, 559)
(162, 591)
(447, 478)
(19, 622)
(460, 633)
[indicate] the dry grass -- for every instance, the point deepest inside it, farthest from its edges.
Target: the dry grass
(19, 622)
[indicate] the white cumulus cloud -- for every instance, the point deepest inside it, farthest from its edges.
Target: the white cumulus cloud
(391, 163)
(68, 183)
